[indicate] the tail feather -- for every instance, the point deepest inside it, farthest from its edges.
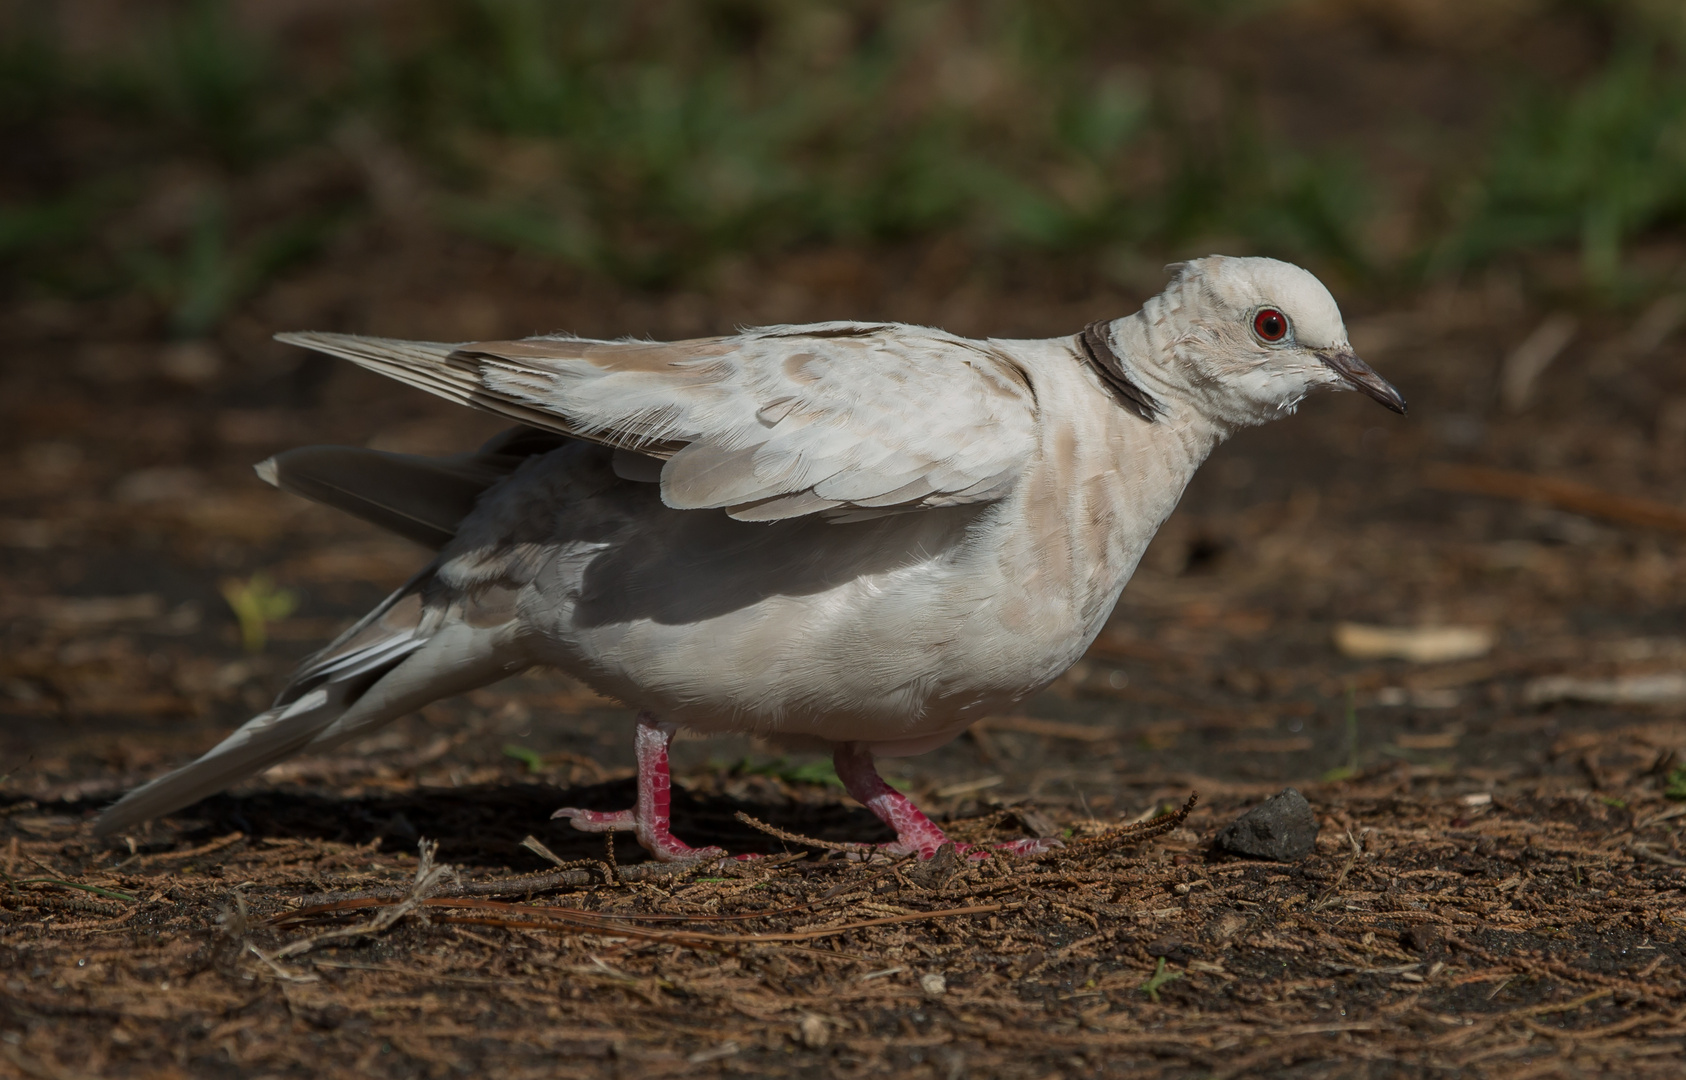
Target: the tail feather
(374, 674)
(265, 739)
(457, 659)
(413, 648)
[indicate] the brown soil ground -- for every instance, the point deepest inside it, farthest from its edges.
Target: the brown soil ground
(1496, 890)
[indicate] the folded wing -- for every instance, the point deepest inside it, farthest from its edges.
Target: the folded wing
(848, 420)
(420, 498)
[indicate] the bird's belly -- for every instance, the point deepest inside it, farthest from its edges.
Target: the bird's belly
(903, 660)
(896, 631)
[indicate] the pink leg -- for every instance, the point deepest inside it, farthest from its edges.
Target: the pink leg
(915, 833)
(650, 818)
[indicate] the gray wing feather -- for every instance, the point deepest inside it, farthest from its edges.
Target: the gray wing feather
(420, 498)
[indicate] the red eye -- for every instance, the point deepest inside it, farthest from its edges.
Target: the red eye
(1270, 325)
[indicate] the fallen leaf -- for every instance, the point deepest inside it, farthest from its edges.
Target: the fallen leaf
(1419, 645)
(1667, 689)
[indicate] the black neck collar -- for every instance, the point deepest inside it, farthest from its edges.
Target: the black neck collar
(1093, 348)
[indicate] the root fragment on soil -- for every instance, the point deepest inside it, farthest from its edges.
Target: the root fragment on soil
(798, 838)
(428, 878)
(1129, 834)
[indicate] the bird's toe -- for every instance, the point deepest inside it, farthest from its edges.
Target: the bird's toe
(598, 820)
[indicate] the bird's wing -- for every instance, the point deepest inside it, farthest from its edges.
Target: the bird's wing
(845, 419)
(419, 498)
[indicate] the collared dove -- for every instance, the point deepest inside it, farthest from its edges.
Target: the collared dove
(856, 537)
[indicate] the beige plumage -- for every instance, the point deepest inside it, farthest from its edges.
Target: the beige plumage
(852, 536)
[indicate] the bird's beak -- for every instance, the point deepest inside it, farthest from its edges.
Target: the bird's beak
(1363, 377)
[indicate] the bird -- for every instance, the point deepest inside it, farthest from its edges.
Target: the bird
(852, 537)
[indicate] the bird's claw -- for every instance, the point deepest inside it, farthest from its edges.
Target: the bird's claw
(653, 836)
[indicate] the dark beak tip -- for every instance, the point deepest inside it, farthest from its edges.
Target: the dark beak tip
(1363, 378)
(1388, 395)
(1385, 395)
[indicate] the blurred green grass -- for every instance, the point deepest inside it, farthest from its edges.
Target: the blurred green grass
(1596, 166)
(647, 140)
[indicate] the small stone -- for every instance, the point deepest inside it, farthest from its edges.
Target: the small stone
(1035, 821)
(935, 871)
(814, 1031)
(1421, 939)
(1226, 926)
(1281, 828)
(933, 984)
(1164, 946)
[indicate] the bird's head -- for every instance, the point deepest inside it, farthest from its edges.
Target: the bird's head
(1252, 337)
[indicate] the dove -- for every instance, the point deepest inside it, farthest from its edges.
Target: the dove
(849, 537)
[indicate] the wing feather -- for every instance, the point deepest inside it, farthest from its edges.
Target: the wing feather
(423, 499)
(838, 419)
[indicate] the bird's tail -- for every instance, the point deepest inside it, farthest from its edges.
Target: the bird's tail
(406, 653)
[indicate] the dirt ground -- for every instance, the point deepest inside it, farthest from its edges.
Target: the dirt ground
(1496, 889)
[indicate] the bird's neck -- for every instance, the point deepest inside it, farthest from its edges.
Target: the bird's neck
(1183, 428)
(1103, 482)
(1158, 355)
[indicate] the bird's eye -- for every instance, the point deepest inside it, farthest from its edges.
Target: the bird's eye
(1270, 324)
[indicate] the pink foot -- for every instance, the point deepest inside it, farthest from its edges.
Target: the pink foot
(650, 818)
(915, 833)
